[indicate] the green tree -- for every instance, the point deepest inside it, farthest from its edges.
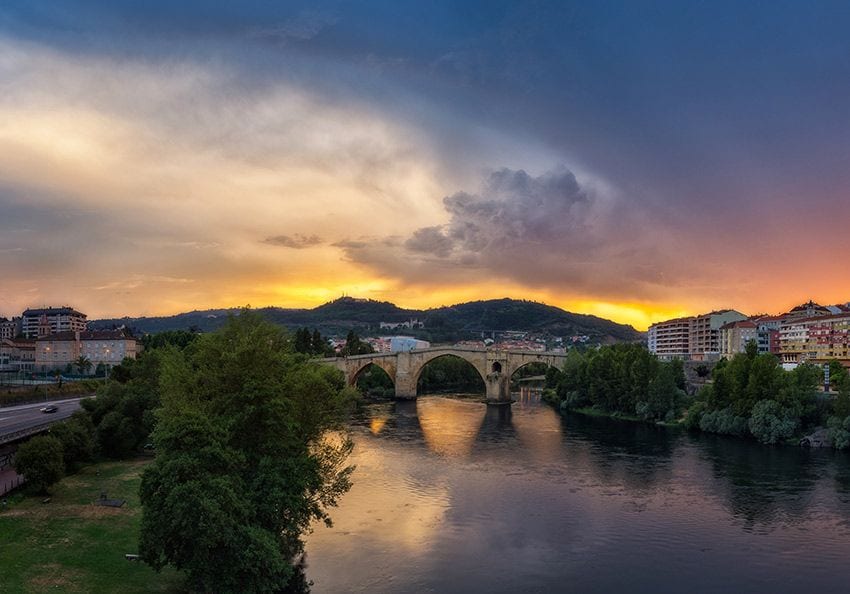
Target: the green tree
(244, 462)
(303, 341)
(839, 380)
(177, 338)
(83, 364)
(76, 436)
(664, 397)
(839, 432)
(355, 346)
(122, 412)
(771, 424)
(40, 461)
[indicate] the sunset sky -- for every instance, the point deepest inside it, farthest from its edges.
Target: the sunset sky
(634, 160)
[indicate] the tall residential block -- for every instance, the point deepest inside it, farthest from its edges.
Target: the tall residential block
(52, 320)
(670, 339)
(705, 333)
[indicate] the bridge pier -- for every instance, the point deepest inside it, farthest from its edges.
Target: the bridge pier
(498, 388)
(405, 378)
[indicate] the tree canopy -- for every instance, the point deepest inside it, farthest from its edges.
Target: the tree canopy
(244, 459)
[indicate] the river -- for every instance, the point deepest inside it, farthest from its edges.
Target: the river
(452, 496)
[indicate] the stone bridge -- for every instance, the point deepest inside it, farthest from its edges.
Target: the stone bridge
(404, 368)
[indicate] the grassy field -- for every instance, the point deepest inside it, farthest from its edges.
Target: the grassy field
(72, 545)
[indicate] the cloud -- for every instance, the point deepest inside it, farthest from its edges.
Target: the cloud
(430, 240)
(297, 241)
(548, 230)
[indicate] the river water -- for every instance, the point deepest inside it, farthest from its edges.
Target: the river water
(452, 496)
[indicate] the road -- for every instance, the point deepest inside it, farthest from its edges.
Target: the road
(26, 416)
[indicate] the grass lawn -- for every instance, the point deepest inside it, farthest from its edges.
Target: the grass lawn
(73, 545)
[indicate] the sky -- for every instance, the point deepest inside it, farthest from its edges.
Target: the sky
(633, 160)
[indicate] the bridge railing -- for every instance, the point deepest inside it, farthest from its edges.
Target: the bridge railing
(448, 348)
(16, 435)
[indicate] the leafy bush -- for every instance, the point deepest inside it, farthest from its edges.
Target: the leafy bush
(770, 423)
(694, 415)
(76, 437)
(724, 421)
(40, 461)
(839, 432)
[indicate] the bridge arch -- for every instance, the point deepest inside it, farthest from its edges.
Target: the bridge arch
(381, 363)
(478, 363)
(518, 362)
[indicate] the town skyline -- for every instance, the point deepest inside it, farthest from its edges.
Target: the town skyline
(637, 164)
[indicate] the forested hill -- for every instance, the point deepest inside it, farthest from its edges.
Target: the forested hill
(442, 324)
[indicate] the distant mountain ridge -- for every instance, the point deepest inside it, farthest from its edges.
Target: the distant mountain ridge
(442, 324)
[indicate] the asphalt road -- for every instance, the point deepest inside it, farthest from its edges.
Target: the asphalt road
(25, 416)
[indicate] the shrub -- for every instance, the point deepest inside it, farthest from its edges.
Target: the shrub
(694, 415)
(40, 461)
(839, 432)
(770, 423)
(724, 421)
(76, 437)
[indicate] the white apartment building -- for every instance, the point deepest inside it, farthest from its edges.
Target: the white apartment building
(51, 320)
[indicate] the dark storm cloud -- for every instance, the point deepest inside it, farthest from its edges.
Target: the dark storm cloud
(296, 241)
(429, 240)
(547, 230)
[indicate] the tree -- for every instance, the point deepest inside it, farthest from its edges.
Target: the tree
(839, 380)
(320, 345)
(243, 462)
(76, 437)
(770, 424)
(83, 364)
(303, 341)
(40, 461)
(122, 412)
(355, 346)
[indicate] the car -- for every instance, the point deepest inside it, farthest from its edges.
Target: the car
(50, 408)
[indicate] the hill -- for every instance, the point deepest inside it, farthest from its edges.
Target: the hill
(443, 324)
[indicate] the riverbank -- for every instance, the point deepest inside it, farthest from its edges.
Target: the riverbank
(71, 544)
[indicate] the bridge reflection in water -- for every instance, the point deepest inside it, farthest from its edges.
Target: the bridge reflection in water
(453, 426)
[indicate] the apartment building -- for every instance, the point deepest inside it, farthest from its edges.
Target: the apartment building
(768, 333)
(100, 347)
(51, 320)
(734, 337)
(816, 340)
(670, 339)
(10, 328)
(705, 333)
(17, 354)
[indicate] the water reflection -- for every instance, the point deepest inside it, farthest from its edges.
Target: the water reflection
(447, 491)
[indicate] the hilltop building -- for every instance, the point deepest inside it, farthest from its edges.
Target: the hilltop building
(51, 320)
(411, 323)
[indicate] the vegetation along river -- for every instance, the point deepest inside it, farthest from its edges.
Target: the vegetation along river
(452, 496)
